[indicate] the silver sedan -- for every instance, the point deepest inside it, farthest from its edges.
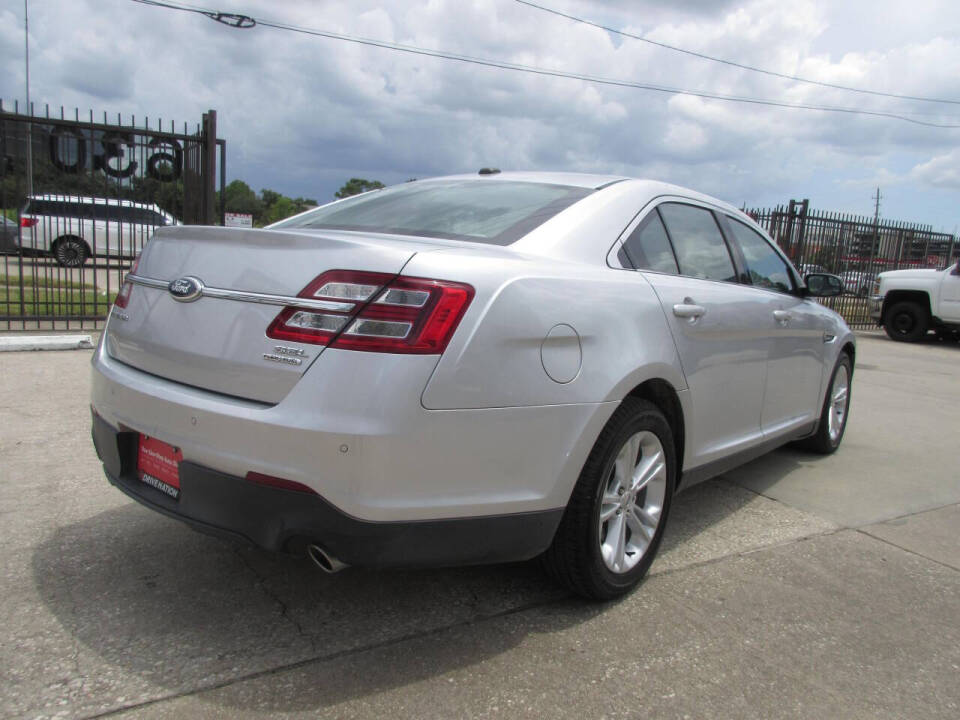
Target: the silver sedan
(468, 369)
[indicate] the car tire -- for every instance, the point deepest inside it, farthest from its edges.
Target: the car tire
(599, 558)
(906, 321)
(70, 252)
(835, 411)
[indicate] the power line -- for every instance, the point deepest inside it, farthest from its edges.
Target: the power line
(516, 67)
(733, 63)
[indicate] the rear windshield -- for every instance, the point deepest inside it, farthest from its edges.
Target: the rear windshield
(487, 211)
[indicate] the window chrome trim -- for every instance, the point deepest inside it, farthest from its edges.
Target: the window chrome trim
(252, 297)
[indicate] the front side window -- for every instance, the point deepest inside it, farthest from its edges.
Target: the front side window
(764, 266)
(497, 212)
(648, 247)
(699, 245)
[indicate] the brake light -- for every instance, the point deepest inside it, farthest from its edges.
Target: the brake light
(376, 312)
(123, 297)
(28, 222)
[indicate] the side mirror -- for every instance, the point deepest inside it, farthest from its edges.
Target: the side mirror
(823, 285)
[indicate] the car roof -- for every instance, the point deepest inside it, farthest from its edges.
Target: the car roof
(571, 179)
(640, 186)
(602, 216)
(94, 201)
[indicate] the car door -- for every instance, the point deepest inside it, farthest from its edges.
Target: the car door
(950, 295)
(795, 326)
(101, 236)
(681, 251)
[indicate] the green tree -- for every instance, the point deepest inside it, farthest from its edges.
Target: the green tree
(282, 208)
(269, 197)
(168, 195)
(304, 204)
(355, 186)
(240, 198)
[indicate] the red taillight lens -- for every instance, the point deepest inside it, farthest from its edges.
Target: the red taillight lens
(28, 222)
(123, 297)
(344, 292)
(377, 313)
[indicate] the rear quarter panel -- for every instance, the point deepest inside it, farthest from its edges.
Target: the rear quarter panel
(497, 357)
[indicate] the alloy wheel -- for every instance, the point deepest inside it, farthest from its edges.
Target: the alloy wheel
(632, 502)
(839, 395)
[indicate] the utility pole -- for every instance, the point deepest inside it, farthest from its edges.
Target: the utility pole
(26, 45)
(876, 220)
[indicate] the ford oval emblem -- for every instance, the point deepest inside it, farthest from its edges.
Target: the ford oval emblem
(185, 289)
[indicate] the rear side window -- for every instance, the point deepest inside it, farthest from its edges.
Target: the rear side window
(137, 215)
(764, 266)
(648, 247)
(108, 213)
(699, 245)
(104, 212)
(497, 212)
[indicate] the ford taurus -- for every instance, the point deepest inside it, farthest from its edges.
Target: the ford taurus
(468, 369)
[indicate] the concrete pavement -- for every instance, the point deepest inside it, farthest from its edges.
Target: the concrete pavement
(899, 454)
(796, 586)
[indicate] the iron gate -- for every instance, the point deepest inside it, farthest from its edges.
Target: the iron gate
(855, 247)
(80, 197)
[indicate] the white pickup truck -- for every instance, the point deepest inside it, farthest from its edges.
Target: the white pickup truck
(908, 303)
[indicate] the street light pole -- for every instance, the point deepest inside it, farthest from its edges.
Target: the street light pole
(26, 45)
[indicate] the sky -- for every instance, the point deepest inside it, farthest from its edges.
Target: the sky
(302, 114)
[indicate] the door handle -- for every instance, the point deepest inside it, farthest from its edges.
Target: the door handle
(781, 316)
(688, 310)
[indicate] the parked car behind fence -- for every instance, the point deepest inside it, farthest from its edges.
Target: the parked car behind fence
(859, 282)
(8, 235)
(73, 228)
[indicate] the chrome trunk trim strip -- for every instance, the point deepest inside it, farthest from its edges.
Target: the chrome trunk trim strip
(252, 297)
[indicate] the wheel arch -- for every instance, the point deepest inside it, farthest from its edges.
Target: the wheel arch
(921, 297)
(850, 349)
(663, 394)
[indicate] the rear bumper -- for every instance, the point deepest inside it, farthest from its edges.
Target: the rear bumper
(354, 431)
(275, 519)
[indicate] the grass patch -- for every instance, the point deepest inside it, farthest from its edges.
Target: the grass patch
(36, 296)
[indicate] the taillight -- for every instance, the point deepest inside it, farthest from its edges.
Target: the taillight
(376, 312)
(123, 297)
(28, 222)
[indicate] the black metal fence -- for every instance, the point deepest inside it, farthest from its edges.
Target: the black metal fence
(856, 248)
(79, 198)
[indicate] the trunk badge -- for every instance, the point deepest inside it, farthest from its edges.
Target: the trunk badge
(186, 289)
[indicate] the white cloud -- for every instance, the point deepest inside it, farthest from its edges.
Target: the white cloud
(942, 171)
(302, 113)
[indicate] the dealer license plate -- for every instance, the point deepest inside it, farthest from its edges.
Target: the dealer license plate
(158, 465)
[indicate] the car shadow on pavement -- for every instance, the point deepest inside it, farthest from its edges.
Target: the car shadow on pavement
(168, 611)
(937, 341)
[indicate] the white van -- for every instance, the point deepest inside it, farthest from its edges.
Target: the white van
(73, 228)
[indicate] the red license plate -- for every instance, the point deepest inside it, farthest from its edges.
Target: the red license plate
(158, 465)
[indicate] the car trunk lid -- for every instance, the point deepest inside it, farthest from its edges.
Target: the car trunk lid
(218, 341)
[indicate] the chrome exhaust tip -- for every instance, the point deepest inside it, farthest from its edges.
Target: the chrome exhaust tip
(324, 560)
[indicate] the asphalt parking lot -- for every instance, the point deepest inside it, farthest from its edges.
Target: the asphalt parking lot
(796, 586)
